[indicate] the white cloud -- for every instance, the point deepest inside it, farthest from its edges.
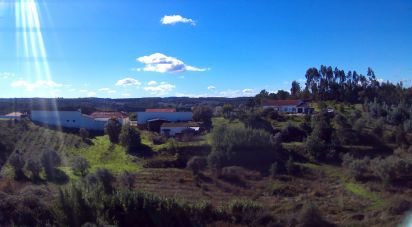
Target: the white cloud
(6, 75)
(128, 82)
(83, 91)
(151, 83)
(161, 63)
(174, 19)
(35, 85)
(211, 87)
(248, 91)
(91, 93)
(107, 90)
(162, 89)
(125, 94)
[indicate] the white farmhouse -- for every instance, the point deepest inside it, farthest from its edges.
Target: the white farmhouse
(13, 116)
(171, 129)
(163, 114)
(72, 119)
(296, 106)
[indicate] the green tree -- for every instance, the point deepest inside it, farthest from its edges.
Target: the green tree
(203, 114)
(84, 134)
(227, 110)
(295, 90)
(17, 161)
(50, 160)
(34, 167)
(113, 128)
(130, 138)
(235, 145)
(197, 164)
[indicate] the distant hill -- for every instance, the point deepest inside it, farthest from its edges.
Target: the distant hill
(129, 105)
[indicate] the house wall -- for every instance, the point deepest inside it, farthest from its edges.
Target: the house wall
(173, 130)
(285, 109)
(10, 117)
(142, 117)
(67, 119)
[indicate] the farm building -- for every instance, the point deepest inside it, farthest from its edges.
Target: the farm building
(162, 115)
(296, 106)
(13, 116)
(171, 129)
(75, 119)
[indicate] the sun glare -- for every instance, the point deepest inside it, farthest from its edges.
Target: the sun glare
(30, 44)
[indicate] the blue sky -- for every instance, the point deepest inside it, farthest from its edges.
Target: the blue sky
(123, 48)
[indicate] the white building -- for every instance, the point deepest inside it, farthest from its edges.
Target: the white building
(13, 116)
(163, 114)
(295, 106)
(171, 129)
(70, 119)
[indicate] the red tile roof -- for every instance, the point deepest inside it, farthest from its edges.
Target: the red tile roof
(292, 102)
(161, 110)
(108, 115)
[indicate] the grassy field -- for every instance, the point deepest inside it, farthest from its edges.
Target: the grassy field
(103, 154)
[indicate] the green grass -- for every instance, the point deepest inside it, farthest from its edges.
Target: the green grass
(359, 190)
(102, 154)
(222, 120)
(355, 188)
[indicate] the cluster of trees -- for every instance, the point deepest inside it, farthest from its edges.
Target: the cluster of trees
(335, 84)
(48, 162)
(390, 170)
(126, 135)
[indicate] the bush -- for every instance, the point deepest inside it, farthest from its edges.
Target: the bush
(197, 164)
(292, 133)
(311, 216)
(203, 114)
(316, 147)
(130, 138)
(34, 167)
(244, 211)
(393, 169)
(127, 179)
(235, 145)
(84, 134)
(50, 160)
(80, 166)
(399, 205)
(102, 177)
(112, 129)
(17, 161)
(275, 169)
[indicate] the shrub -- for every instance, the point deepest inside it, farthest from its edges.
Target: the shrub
(17, 161)
(399, 205)
(112, 129)
(316, 147)
(311, 216)
(34, 167)
(102, 177)
(291, 168)
(235, 145)
(84, 134)
(130, 138)
(292, 133)
(203, 114)
(50, 160)
(197, 164)
(80, 166)
(393, 169)
(244, 211)
(128, 179)
(275, 169)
